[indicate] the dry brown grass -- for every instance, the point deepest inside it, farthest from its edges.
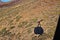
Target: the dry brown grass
(18, 22)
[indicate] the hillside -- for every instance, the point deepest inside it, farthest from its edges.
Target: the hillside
(17, 22)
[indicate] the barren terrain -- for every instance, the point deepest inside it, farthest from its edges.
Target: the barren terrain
(17, 22)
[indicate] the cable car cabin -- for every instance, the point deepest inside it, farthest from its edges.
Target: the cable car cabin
(38, 29)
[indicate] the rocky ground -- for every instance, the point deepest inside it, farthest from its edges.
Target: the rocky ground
(17, 22)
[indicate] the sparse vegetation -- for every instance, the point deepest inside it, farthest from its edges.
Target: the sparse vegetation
(29, 25)
(34, 38)
(20, 25)
(50, 32)
(18, 22)
(43, 37)
(18, 17)
(11, 22)
(12, 27)
(34, 20)
(18, 36)
(4, 32)
(29, 31)
(23, 23)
